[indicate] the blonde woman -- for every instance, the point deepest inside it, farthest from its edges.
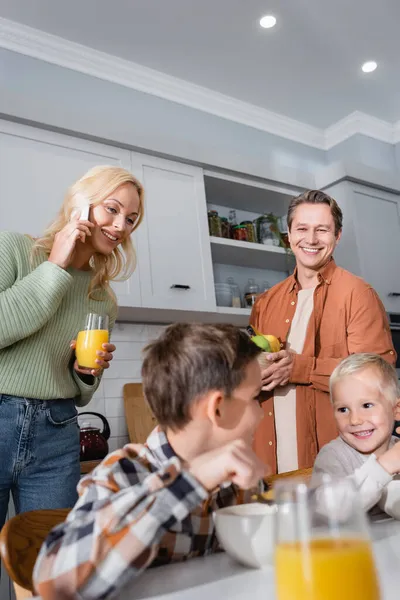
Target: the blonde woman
(47, 286)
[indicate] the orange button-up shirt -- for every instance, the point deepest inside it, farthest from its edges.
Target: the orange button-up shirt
(348, 317)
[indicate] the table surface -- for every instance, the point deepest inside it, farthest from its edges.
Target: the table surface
(217, 576)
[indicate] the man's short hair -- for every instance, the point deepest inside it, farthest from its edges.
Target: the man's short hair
(316, 197)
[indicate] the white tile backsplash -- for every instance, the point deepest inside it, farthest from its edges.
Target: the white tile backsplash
(124, 369)
(129, 339)
(128, 350)
(114, 407)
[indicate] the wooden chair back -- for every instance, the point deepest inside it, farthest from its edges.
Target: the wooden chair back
(139, 418)
(20, 541)
(303, 473)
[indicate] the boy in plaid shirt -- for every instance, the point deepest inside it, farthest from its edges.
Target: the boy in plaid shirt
(147, 505)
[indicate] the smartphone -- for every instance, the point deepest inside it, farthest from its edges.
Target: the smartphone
(84, 213)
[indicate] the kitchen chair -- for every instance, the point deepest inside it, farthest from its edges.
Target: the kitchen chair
(20, 541)
(139, 418)
(303, 473)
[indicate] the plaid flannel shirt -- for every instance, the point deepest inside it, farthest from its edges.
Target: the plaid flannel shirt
(138, 508)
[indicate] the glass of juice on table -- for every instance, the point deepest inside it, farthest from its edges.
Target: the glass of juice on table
(91, 339)
(323, 550)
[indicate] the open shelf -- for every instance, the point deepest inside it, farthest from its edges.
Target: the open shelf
(248, 254)
(237, 193)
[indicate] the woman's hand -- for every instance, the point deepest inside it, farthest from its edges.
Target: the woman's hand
(65, 240)
(105, 356)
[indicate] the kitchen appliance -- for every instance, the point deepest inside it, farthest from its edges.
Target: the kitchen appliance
(93, 442)
(394, 322)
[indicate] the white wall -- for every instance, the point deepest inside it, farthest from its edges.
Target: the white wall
(57, 97)
(130, 339)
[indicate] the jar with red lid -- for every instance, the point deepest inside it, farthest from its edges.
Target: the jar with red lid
(250, 230)
(240, 233)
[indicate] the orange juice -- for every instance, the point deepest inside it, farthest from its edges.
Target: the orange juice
(326, 569)
(87, 343)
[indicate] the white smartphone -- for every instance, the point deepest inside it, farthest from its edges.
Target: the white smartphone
(84, 213)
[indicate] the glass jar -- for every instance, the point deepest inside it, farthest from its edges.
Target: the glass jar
(232, 222)
(266, 235)
(214, 223)
(255, 230)
(251, 292)
(236, 301)
(225, 228)
(240, 233)
(250, 230)
(265, 286)
(283, 228)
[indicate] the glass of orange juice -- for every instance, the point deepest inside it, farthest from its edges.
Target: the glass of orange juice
(323, 550)
(90, 340)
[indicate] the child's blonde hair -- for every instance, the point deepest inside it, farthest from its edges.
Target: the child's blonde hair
(94, 187)
(388, 383)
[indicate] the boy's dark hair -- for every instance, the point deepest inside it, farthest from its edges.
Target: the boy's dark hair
(316, 197)
(189, 360)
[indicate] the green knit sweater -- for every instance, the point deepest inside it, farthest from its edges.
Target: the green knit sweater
(42, 308)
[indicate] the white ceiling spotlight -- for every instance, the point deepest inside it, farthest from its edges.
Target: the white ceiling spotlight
(268, 21)
(369, 66)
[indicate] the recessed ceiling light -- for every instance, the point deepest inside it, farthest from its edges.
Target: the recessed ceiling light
(268, 21)
(369, 66)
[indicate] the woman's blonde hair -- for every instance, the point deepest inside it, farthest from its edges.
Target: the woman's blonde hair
(94, 187)
(387, 377)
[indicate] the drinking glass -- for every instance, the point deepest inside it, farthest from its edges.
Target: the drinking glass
(322, 546)
(90, 340)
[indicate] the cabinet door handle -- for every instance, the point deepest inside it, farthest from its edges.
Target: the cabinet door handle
(394, 294)
(177, 286)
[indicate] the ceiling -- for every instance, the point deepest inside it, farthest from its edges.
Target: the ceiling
(306, 68)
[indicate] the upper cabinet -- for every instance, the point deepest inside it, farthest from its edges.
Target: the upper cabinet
(173, 242)
(36, 169)
(370, 246)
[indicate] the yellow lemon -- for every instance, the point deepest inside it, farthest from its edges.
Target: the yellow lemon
(273, 342)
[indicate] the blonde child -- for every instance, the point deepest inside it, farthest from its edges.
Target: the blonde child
(365, 397)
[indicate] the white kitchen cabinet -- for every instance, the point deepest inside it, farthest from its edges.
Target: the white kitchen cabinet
(173, 241)
(6, 586)
(371, 238)
(36, 168)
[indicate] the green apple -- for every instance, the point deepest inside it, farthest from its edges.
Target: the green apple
(261, 342)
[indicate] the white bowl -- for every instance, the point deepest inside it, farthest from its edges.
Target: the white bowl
(246, 532)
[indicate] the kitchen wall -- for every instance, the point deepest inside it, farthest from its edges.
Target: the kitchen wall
(130, 339)
(58, 98)
(37, 91)
(367, 151)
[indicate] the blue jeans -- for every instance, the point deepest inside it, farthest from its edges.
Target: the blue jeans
(39, 454)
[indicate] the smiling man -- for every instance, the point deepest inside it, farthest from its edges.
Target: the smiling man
(321, 314)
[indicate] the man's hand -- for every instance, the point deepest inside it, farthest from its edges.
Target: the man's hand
(278, 373)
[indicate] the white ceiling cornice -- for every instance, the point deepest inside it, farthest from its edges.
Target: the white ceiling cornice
(44, 46)
(359, 123)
